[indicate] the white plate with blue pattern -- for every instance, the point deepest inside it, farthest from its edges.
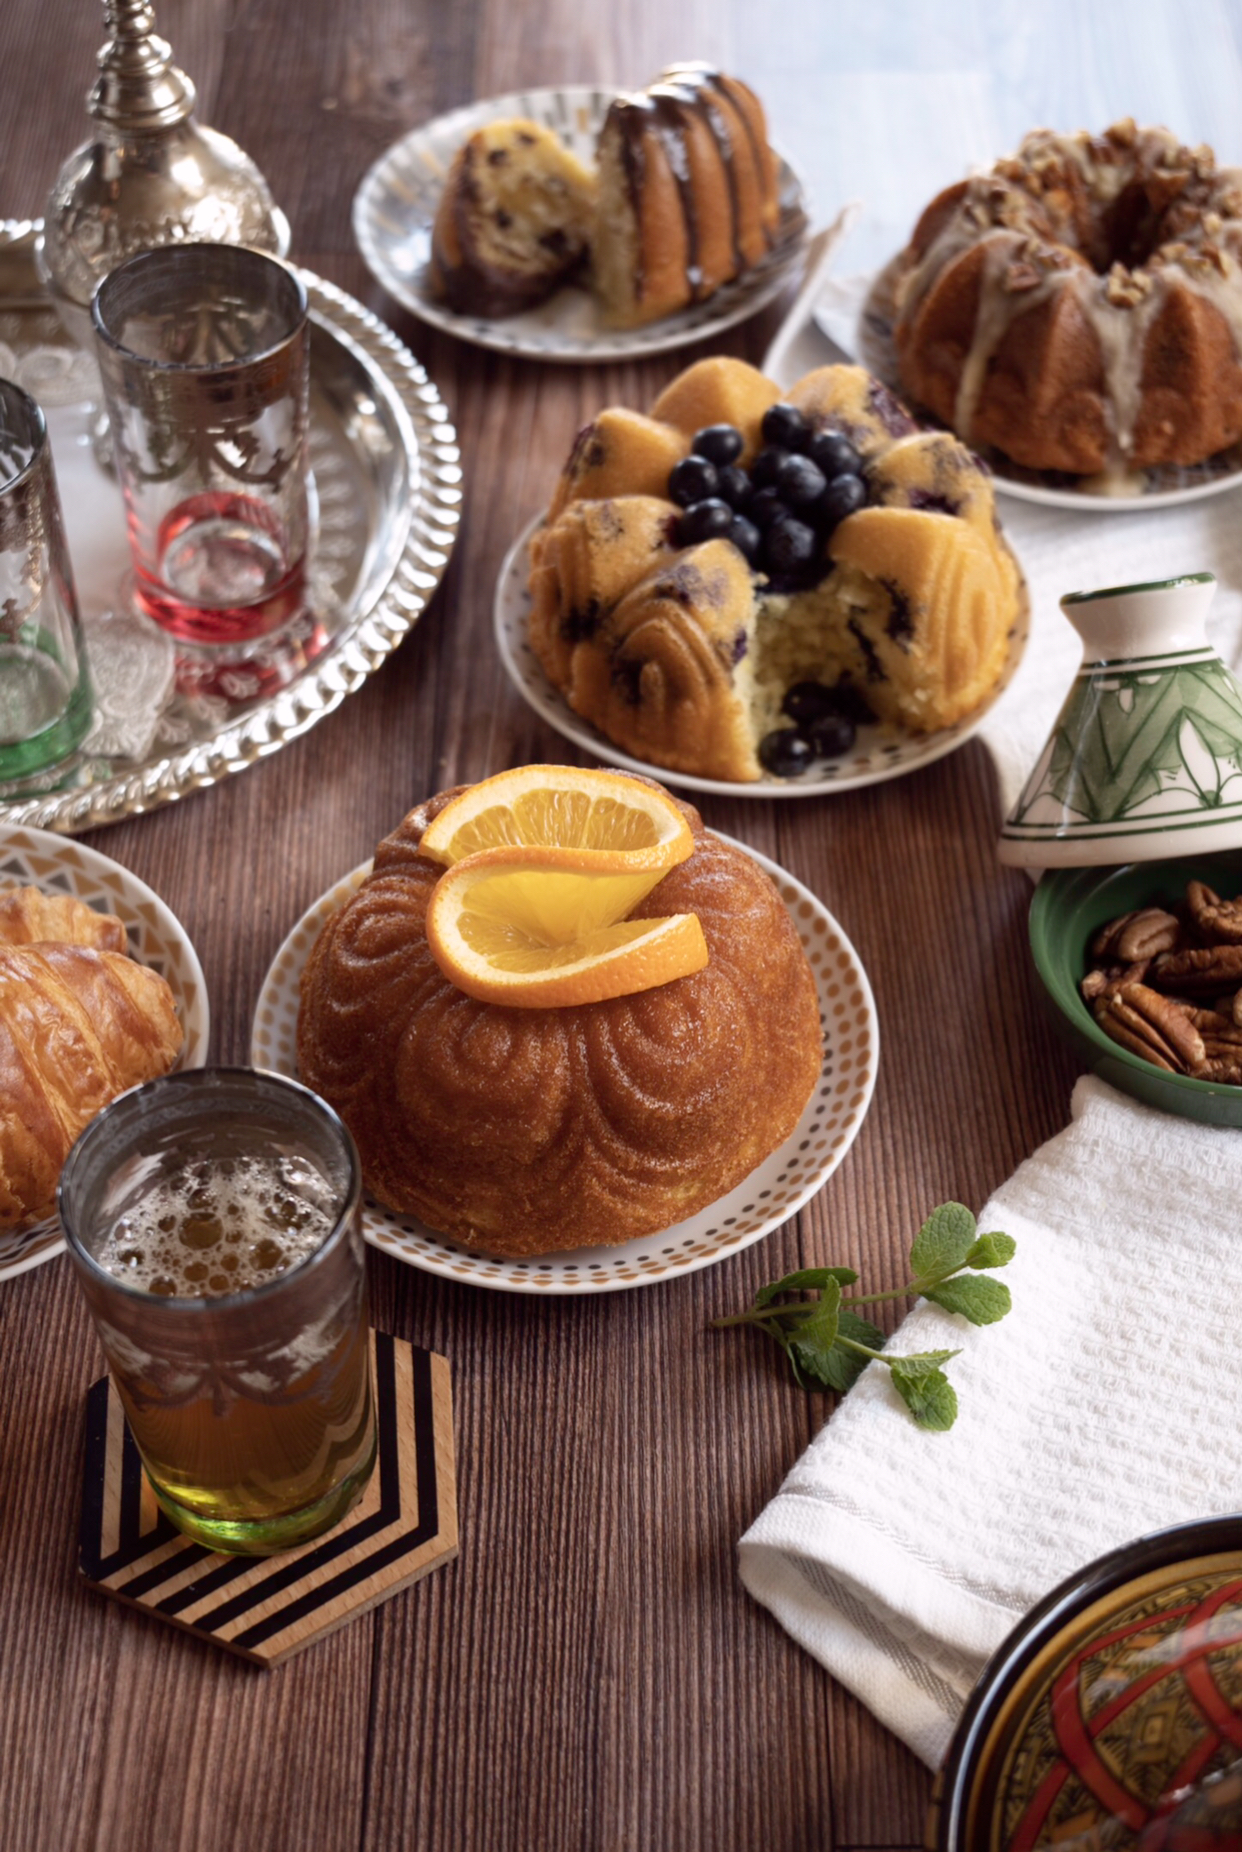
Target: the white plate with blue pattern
(395, 207)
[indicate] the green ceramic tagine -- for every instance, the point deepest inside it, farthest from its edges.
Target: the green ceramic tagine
(1145, 759)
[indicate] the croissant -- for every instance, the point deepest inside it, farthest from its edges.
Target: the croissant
(524, 1131)
(77, 1027)
(30, 917)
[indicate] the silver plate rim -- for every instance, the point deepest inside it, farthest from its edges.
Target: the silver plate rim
(369, 638)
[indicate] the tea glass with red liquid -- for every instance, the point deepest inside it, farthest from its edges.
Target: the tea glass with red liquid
(204, 351)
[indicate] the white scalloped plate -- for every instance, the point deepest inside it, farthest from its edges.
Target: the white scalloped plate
(37, 858)
(879, 753)
(396, 204)
(773, 1192)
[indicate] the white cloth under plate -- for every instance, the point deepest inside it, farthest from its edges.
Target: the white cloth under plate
(1104, 1406)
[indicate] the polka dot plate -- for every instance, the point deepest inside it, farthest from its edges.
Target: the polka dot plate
(396, 204)
(879, 753)
(36, 858)
(768, 1197)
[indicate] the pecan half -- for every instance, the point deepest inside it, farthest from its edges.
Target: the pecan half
(1207, 972)
(1150, 931)
(1107, 980)
(1216, 918)
(1157, 1023)
(1229, 1071)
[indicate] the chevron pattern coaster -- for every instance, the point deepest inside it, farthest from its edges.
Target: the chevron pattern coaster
(267, 1608)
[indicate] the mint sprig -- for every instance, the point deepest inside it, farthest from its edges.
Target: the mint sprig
(829, 1345)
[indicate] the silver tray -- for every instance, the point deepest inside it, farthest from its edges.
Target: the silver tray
(386, 479)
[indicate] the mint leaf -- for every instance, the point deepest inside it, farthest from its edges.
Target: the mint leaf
(981, 1301)
(841, 1368)
(931, 1399)
(994, 1250)
(922, 1362)
(814, 1338)
(943, 1242)
(813, 1277)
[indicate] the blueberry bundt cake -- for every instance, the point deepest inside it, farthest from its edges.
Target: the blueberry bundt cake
(525, 1131)
(727, 586)
(685, 199)
(514, 220)
(1079, 306)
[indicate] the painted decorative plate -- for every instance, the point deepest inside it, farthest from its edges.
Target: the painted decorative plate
(780, 1186)
(396, 204)
(36, 858)
(856, 315)
(879, 753)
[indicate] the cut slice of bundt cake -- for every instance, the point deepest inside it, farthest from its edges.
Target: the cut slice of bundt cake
(810, 560)
(514, 220)
(687, 194)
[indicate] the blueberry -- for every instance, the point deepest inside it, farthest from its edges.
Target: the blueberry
(852, 702)
(788, 546)
(734, 484)
(807, 702)
(719, 443)
(785, 425)
(746, 538)
(765, 507)
(844, 495)
(785, 752)
(799, 482)
(763, 469)
(692, 480)
(834, 454)
(706, 520)
(832, 735)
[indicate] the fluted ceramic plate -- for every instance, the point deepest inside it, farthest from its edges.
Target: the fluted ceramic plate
(856, 316)
(773, 1192)
(386, 477)
(879, 753)
(36, 858)
(395, 207)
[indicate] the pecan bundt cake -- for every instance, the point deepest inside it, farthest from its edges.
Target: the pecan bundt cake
(685, 199)
(526, 1131)
(1079, 306)
(725, 586)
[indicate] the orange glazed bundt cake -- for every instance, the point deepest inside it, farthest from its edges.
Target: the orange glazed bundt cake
(1079, 306)
(726, 586)
(685, 199)
(525, 1131)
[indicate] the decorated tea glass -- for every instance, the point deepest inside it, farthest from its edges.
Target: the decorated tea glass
(45, 691)
(204, 350)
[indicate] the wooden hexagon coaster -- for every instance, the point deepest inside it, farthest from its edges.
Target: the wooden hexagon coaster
(268, 1608)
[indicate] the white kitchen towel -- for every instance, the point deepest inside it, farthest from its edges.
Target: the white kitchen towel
(1105, 1405)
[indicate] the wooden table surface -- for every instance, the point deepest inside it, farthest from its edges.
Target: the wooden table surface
(589, 1673)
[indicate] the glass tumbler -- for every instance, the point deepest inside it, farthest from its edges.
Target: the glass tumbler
(45, 690)
(205, 355)
(214, 1220)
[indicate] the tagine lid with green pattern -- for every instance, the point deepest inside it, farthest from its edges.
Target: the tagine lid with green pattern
(1145, 759)
(1111, 1719)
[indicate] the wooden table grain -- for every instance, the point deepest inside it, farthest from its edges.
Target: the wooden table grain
(590, 1673)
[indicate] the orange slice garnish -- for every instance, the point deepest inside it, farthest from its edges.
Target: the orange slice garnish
(596, 814)
(507, 926)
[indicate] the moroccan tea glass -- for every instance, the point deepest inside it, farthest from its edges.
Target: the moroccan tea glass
(45, 690)
(251, 1407)
(204, 350)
